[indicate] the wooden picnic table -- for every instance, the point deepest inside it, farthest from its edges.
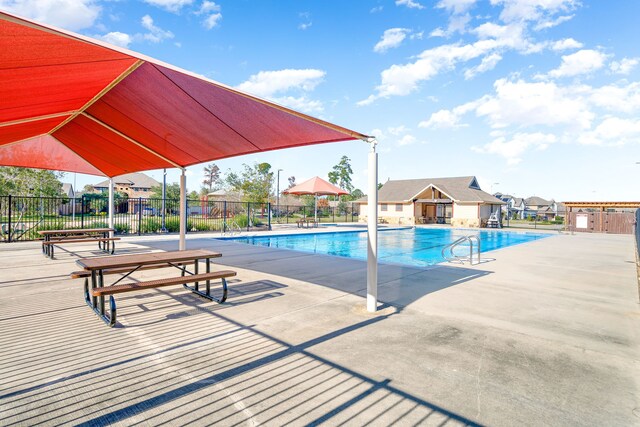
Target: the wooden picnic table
(97, 268)
(51, 238)
(307, 223)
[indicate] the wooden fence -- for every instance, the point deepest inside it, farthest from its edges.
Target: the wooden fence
(602, 222)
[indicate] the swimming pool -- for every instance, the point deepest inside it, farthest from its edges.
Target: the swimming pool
(416, 246)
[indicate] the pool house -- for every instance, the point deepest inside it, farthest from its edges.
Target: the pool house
(458, 201)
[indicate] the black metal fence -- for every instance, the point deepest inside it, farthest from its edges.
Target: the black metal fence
(21, 217)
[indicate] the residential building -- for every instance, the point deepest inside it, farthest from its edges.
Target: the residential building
(133, 184)
(458, 201)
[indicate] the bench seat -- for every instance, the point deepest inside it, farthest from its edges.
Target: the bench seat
(131, 287)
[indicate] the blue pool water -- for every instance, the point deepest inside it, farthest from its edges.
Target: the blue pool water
(418, 246)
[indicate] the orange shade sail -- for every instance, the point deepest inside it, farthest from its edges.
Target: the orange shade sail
(72, 103)
(316, 186)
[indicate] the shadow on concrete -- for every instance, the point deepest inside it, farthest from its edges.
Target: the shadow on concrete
(227, 372)
(398, 285)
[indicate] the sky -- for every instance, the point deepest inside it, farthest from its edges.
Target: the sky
(533, 97)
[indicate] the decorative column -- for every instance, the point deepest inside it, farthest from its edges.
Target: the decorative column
(372, 231)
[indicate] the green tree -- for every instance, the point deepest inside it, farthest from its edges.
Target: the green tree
(341, 174)
(255, 182)
(355, 195)
(173, 191)
(29, 182)
(211, 177)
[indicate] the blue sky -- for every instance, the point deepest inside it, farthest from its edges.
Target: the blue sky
(534, 97)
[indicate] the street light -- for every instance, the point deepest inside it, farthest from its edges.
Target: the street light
(278, 194)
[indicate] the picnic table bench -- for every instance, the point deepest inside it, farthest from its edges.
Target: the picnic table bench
(307, 223)
(52, 238)
(95, 269)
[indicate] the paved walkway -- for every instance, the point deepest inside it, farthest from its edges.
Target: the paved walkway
(547, 334)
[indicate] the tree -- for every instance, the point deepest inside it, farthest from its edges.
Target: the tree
(255, 182)
(29, 182)
(211, 176)
(292, 182)
(341, 174)
(172, 191)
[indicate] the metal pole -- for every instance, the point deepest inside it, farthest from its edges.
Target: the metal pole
(73, 206)
(110, 210)
(9, 221)
(183, 211)
(315, 207)
(372, 232)
(278, 194)
(164, 200)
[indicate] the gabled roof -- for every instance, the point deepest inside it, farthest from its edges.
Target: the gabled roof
(537, 201)
(135, 179)
(459, 189)
(518, 201)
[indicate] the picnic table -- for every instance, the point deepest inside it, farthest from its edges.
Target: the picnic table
(94, 270)
(307, 223)
(51, 238)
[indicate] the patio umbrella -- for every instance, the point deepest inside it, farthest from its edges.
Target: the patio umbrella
(76, 104)
(317, 187)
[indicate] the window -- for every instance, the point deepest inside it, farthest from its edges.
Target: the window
(383, 207)
(398, 207)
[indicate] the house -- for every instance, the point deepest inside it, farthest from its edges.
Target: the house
(137, 186)
(133, 184)
(458, 201)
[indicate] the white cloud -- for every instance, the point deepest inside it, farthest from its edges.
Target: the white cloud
(617, 98)
(208, 7)
(170, 5)
(269, 83)
(305, 25)
(613, 131)
(301, 103)
(513, 149)
(212, 11)
(455, 6)
(117, 38)
(526, 104)
(411, 4)
(212, 20)
(489, 62)
(406, 140)
(398, 130)
(566, 44)
(69, 14)
(441, 119)
(550, 23)
(376, 9)
(624, 66)
(533, 10)
(584, 61)
(155, 34)
(391, 38)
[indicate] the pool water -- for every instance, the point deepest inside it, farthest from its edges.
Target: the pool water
(417, 246)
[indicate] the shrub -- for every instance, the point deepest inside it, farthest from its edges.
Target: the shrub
(122, 228)
(150, 225)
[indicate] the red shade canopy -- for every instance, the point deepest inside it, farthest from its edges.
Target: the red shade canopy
(72, 103)
(316, 186)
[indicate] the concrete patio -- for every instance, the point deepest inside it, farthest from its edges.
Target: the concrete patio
(546, 334)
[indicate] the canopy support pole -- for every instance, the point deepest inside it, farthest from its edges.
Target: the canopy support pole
(372, 231)
(315, 207)
(183, 211)
(110, 206)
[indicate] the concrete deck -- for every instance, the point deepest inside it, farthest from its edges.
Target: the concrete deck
(547, 334)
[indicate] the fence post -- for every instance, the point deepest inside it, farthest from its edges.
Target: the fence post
(224, 217)
(82, 212)
(248, 213)
(139, 216)
(269, 214)
(9, 230)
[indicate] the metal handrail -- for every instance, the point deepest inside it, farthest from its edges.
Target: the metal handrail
(232, 228)
(455, 258)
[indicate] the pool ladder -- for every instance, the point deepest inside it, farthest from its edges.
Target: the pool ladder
(447, 251)
(231, 228)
